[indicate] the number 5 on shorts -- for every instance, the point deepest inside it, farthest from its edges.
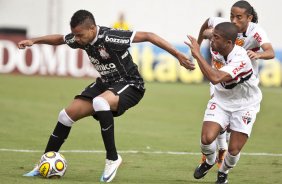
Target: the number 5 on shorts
(213, 106)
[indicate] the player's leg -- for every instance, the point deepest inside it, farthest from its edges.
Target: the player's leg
(76, 110)
(214, 121)
(228, 134)
(113, 102)
(80, 107)
(237, 141)
(203, 159)
(241, 123)
(221, 147)
(103, 106)
(210, 131)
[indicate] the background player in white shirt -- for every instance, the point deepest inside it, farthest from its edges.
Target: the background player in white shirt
(235, 103)
(251, 36)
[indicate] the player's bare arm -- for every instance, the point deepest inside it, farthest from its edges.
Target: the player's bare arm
(202, 32)
(213, 75)
(268, 52)
(48, 39)
(160, 42)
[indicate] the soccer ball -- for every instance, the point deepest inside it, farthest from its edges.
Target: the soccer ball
(52, 165)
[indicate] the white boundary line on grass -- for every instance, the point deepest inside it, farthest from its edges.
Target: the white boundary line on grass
(136, 152)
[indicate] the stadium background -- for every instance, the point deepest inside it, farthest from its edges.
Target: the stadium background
(159, 138)
(173, 20)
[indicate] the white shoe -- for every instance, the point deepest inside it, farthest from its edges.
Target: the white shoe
(33, 172)
(110, 169)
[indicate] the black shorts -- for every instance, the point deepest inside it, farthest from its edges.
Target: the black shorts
(128, 94)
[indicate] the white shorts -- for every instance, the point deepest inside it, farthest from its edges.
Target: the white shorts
(239, 121)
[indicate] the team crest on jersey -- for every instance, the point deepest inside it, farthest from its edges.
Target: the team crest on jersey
(217, 63)
(240, 41)
(103, 52)
(247, 118)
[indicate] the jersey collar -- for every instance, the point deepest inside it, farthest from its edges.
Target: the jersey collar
(232, 53)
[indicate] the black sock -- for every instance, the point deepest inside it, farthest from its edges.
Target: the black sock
(107, 129)
(58, 137)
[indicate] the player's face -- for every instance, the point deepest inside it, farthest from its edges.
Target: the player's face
(240, 18)
(218, 43)
(84, 34)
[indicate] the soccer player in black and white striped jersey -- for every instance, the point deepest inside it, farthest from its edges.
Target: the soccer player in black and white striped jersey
(119, 88)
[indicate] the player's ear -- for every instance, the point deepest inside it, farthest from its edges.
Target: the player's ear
(250, 18)
(229, 42)
(92, 27)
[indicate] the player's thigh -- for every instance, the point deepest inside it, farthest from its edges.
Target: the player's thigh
(91, 91)
(210, 130)
(236, 142)
(82, 105)
(79, 108)
(128, 96)
(111, 98)
(243, 120)
(214, 113)
(215, 120)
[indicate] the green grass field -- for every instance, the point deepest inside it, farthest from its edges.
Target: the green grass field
(168, 119)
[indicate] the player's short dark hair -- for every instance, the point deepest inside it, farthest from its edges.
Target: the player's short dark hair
(81, 17)
(227, 30)
(249, 9)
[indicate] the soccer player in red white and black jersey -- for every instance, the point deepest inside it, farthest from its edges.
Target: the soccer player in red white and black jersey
(251, 36)
(119, 88)
(235, 103)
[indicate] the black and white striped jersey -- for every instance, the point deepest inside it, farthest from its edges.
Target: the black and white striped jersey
(109, 54)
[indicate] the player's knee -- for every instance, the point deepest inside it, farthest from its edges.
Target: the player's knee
(100, 104)
(65, 119)
(206, 139)
(208, 149)
(234, 151)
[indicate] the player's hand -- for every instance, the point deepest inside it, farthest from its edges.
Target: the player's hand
(185, 62)
(252, 55)
(25, 43)
(194, 46)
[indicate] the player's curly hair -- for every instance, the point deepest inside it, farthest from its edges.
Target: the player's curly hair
(249, 9)
(81, 17)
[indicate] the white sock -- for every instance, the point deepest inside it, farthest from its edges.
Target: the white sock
(229, 162)
(209, 152)
(221, 141)
(227, 136)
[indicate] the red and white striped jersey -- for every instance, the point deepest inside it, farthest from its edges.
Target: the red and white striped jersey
(242, 90)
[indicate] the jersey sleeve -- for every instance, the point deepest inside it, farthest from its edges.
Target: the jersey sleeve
(70, 41)
(213, 21)
(238, 66)
(240, 69)
(119, 40)
(260, 36)
(211, 89)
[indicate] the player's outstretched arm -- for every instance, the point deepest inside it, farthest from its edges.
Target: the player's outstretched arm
(213, 75)
(48, 39)
(162, 43)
